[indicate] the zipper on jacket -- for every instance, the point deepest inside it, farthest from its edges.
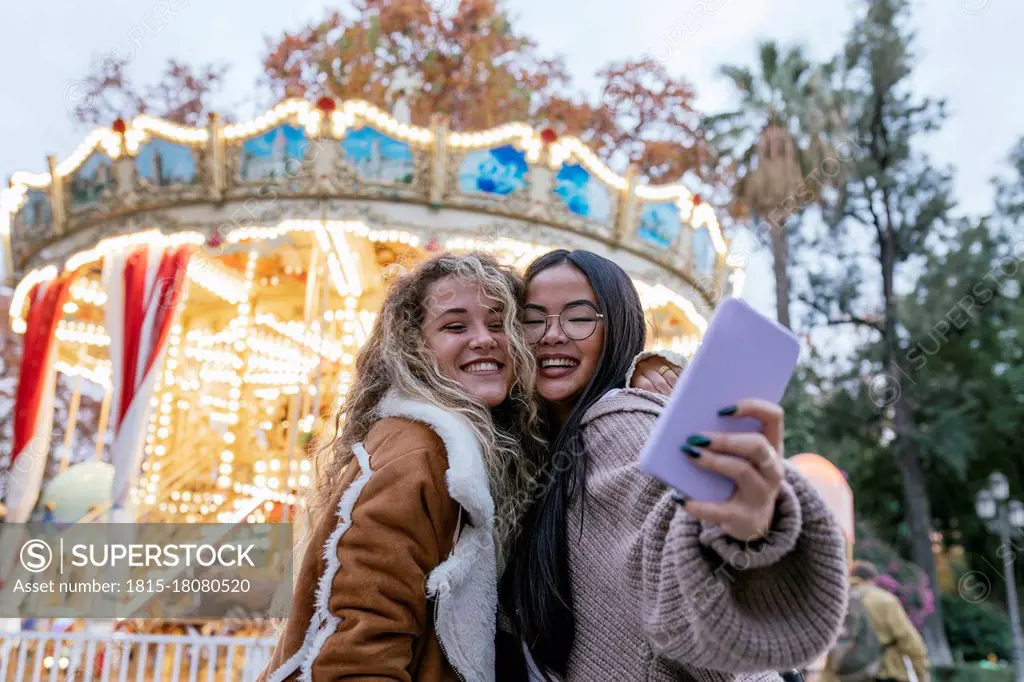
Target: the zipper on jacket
(444, 652)
(440, 641)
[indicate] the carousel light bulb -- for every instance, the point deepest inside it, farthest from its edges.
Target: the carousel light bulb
(225, 468)
(304, 465)
(186, 496)
(269, 506)
(227, 456)
(223, 482)
(273, 483)
(259, 480)
(303, 480)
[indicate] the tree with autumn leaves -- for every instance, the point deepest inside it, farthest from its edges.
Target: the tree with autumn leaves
(475, 68)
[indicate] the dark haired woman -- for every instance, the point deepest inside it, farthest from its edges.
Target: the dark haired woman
(615, 578)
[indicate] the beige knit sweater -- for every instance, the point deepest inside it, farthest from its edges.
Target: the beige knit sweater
(660, 596)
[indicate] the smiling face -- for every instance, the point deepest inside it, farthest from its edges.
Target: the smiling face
(565, 365)
(465, 331)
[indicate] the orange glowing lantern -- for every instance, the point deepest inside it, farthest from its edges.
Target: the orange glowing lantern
(833, 487)
(830, 482)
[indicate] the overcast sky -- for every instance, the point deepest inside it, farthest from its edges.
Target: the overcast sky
(970, 53)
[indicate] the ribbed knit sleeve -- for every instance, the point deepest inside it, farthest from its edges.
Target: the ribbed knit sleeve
(669, 356)
(707, 601)
(777, 542)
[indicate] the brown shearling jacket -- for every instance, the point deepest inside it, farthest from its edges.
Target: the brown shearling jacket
(364, 603)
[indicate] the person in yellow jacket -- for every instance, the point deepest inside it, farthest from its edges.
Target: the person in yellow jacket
(897, 634)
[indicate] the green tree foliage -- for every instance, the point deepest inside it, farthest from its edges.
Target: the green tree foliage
(895, 200)
(960, 356)
(976, 630)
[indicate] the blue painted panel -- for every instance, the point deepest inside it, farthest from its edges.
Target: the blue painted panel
(164, 163)
(377, 157)
(501, 170)
(277, 153)
(660, 223)
(91, 180)
(703, 252)
(583, 194)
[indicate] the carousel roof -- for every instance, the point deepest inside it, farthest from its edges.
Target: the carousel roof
(512, 188)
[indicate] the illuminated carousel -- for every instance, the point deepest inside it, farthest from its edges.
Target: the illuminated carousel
(216, 285)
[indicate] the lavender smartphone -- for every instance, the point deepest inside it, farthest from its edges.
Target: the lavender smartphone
(743, 355)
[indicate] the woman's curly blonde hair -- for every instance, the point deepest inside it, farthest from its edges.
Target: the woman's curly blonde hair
(396, 357)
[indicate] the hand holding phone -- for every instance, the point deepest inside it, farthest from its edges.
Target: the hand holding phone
(743, 355)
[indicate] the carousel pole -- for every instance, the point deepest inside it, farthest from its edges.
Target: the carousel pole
(312, 282)
(101, 430)
(320, 292)
(69, 431)
(8, 278)
(320, 363)
(76, 403)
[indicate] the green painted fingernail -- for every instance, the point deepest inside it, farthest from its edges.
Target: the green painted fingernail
(699, 441)
(726, 411)
(691, 452)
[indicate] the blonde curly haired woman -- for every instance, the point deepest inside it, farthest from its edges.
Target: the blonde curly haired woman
(417, 503)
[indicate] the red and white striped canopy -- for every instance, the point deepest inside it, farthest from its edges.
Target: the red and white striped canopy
(144, 288)
(33, 407)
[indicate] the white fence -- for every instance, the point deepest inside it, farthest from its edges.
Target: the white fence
(85, 657)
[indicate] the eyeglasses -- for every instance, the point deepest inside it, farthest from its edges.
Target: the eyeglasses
(577, 322)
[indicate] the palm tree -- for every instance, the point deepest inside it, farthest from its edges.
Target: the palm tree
(773, 143)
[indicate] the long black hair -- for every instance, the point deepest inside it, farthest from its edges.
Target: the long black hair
(536, 586)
